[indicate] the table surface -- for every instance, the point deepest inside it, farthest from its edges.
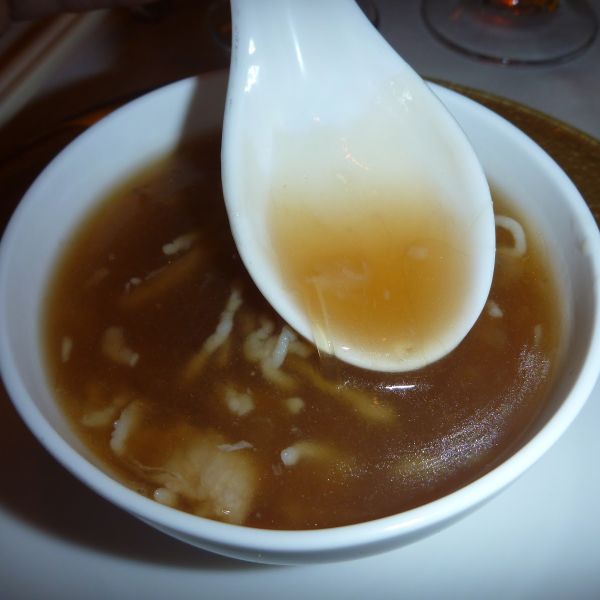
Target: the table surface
(538, 539)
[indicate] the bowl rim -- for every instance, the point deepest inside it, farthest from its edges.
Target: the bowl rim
(302, 542)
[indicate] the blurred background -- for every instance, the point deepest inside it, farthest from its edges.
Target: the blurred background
(66, 66)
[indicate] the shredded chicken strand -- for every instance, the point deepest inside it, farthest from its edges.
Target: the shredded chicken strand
(124, 426)
(164, 280)
(270, 351)
(214, 341)
(180, 243)
(116, 349)
(365, 405)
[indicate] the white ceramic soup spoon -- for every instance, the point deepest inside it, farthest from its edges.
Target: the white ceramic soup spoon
(355, 200)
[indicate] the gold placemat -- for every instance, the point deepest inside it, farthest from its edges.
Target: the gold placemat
(576, 152)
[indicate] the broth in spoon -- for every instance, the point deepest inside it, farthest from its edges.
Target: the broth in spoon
(340, 164)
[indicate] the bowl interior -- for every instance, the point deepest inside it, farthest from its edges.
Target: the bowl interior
(153, 126)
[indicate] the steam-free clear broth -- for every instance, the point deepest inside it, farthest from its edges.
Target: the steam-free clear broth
(372, 278)
(202, 418)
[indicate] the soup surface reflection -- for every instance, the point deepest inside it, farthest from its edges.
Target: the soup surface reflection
(188, 388)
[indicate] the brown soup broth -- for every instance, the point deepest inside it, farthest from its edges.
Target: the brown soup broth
(210, 424)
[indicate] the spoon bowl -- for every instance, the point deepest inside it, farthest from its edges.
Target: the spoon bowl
(357, 203)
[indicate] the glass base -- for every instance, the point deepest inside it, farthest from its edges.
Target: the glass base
(484, 30)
